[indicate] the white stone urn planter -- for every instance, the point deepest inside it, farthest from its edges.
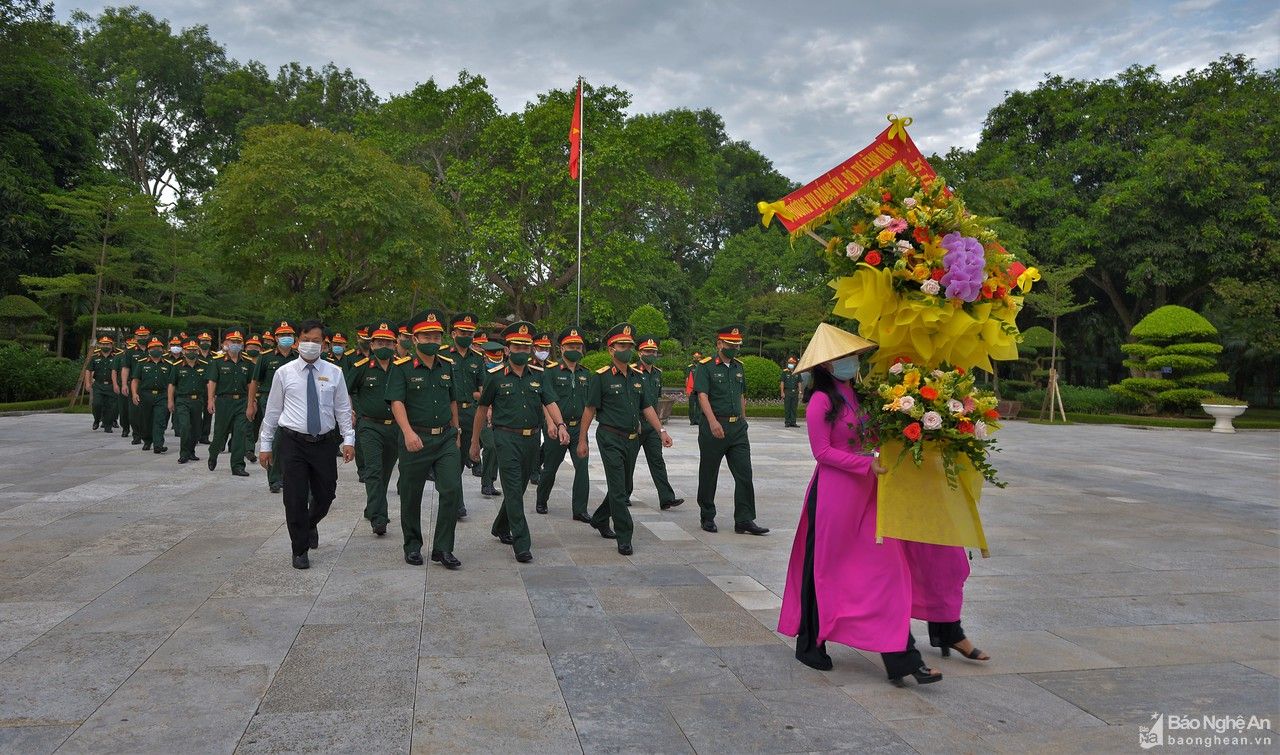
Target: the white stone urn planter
(1223, 414)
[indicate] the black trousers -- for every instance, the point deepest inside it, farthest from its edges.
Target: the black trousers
(306, 468)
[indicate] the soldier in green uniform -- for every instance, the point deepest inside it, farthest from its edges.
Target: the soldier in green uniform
(337, 348)
(205, 342)
(494, 351)
(123, 399)
(541, 355)
(361, 351)
(617, 397)
(478, 342)
(404, 344)
(516, 398)
(253, 350)
(377, 437)
(694, 410)
(149, 383)
(650, 441)
(228, 375)
(424, 400)
(142, 334)
(97, 384)
(260, 387)
(722, 434)
(789, 388)
(187, 394)
(571, 381)
(173, 357)
(468, 369)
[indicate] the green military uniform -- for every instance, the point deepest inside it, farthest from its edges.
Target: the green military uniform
(103, 395)
(264, 370)
(790, 395)
(489, 457)
(131, 359)
(695, 411)
(230, 378)
(515, 401)
(468, 368)
(541, 344)
(377, 437)
(124, 401)
(650, 439)
(205, 341)
(427, 394)
(571, 386)
(724, 385)
(152, 378)
(190, 399)
(619, 400)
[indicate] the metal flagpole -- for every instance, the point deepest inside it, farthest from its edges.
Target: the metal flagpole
(582, 119)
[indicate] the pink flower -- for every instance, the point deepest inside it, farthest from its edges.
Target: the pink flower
(895, 368)
(909, 202)
(882, 221)
(969, 404)
(853, 251)
(906, 404)
(930, 287)
(980, 430)
(897, 226)
(955, 407)
(931, 420)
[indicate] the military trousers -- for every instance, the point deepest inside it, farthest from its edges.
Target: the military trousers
(274, 475)
(466, 418)
(141, 425)
(230, 426)
(618, 455)
(734, 448)
(517, 455)
(377, 445)
(790, 400)
(651, 444)
(488, 457)
(124, 410)
(695, 409)
(105, 405)
(439, 454)
(187, 412)
(552, 455)
(153, 413)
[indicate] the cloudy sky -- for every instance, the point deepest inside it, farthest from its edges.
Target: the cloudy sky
(807, 83)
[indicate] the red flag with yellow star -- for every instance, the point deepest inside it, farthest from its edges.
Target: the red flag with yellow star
(575, 135)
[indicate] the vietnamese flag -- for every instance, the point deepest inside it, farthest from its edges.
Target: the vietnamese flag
(575, 135)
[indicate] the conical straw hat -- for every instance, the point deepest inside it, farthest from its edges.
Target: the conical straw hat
(828, 343)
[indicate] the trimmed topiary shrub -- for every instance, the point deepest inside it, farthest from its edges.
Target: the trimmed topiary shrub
(762, 376)
(1174, 360)
(594, 360)
(648, 321)
(1084, 400)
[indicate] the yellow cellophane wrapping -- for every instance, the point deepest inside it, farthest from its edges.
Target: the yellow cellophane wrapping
(916, 503)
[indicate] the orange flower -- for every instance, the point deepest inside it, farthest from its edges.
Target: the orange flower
(928, 393)
(965, 426)
(991, 414)
(921, 234)
(912, 431)
(872, 258)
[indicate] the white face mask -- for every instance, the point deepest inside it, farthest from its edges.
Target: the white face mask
(542, 355)
(175, 350)
(309, 350)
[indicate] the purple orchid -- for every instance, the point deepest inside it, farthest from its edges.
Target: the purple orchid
(964, 261)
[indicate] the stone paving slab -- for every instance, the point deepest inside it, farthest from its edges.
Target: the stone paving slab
(146, 607)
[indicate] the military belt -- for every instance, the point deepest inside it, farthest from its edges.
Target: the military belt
(192, 395)
(228, 395)
(152, 391)
(628, 434)
(524, 431)
(728, 417)
(464, 405)
(378, 421)
(427, 430)
(572, 422)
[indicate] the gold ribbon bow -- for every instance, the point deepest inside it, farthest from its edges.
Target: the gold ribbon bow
(769, 209)
(899, 128)
(1028, 276)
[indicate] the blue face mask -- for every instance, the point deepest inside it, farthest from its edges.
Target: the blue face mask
(337, 350)
(845, 369)
(285, 341)
(491, 364)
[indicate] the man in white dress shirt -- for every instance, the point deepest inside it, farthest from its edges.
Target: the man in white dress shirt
(311, 409)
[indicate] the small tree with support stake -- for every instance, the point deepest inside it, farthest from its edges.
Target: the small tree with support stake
(1055, 298)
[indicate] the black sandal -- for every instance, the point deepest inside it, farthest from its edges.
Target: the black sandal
(922, 675)
(973, 655)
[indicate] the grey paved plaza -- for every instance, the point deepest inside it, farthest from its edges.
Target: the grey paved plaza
(151, 607)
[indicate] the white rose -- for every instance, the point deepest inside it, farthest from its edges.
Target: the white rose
(853, 251)
(980, 430)
(881, 221)
(906, 404)
(931, 420)
(896, 368)
(903, 245)
(909, 202)
(955, 407)
(930, 287)
(937, 373)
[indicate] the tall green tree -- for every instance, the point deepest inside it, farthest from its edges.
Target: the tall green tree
(322, 218)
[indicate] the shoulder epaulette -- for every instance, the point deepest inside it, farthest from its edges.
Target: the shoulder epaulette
(252, 360)
(551, 364)
(201, 360)
(499, 368)
(705, 360)
(603, 369)
(535, 367)
(173, 362)
(361, 363)
(445, 358)
(217, 356)
(401, 360)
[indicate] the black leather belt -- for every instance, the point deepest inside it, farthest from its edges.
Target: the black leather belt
(192, 396)
(305, 438)
(464, 405)
(427, 430)
(152, 392)
(228, 395)
(628, 434)
(522, 431)
(377, 421)
(728, 417)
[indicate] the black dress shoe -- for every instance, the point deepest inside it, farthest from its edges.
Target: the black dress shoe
(136, 441)
(301, 562)
(749, 528)
(275, 488)
(96, 424)
(193, 457)
(414, 558)
(431, 476)
(710, 526)
(445, 559)
(183, 460)
(475, 471)
(490, 492)
(582, 518)
(605, 531)
(240, 472)
(462, 512)
(625, 549)
(146, 446)
(671, 504)
(313, 541)
(204, 441)
(251, 457)
(524, 557)
(159, 450)
(213, 462)
(541, 508)
(109, 431)
(506, 538)
(380, 529)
